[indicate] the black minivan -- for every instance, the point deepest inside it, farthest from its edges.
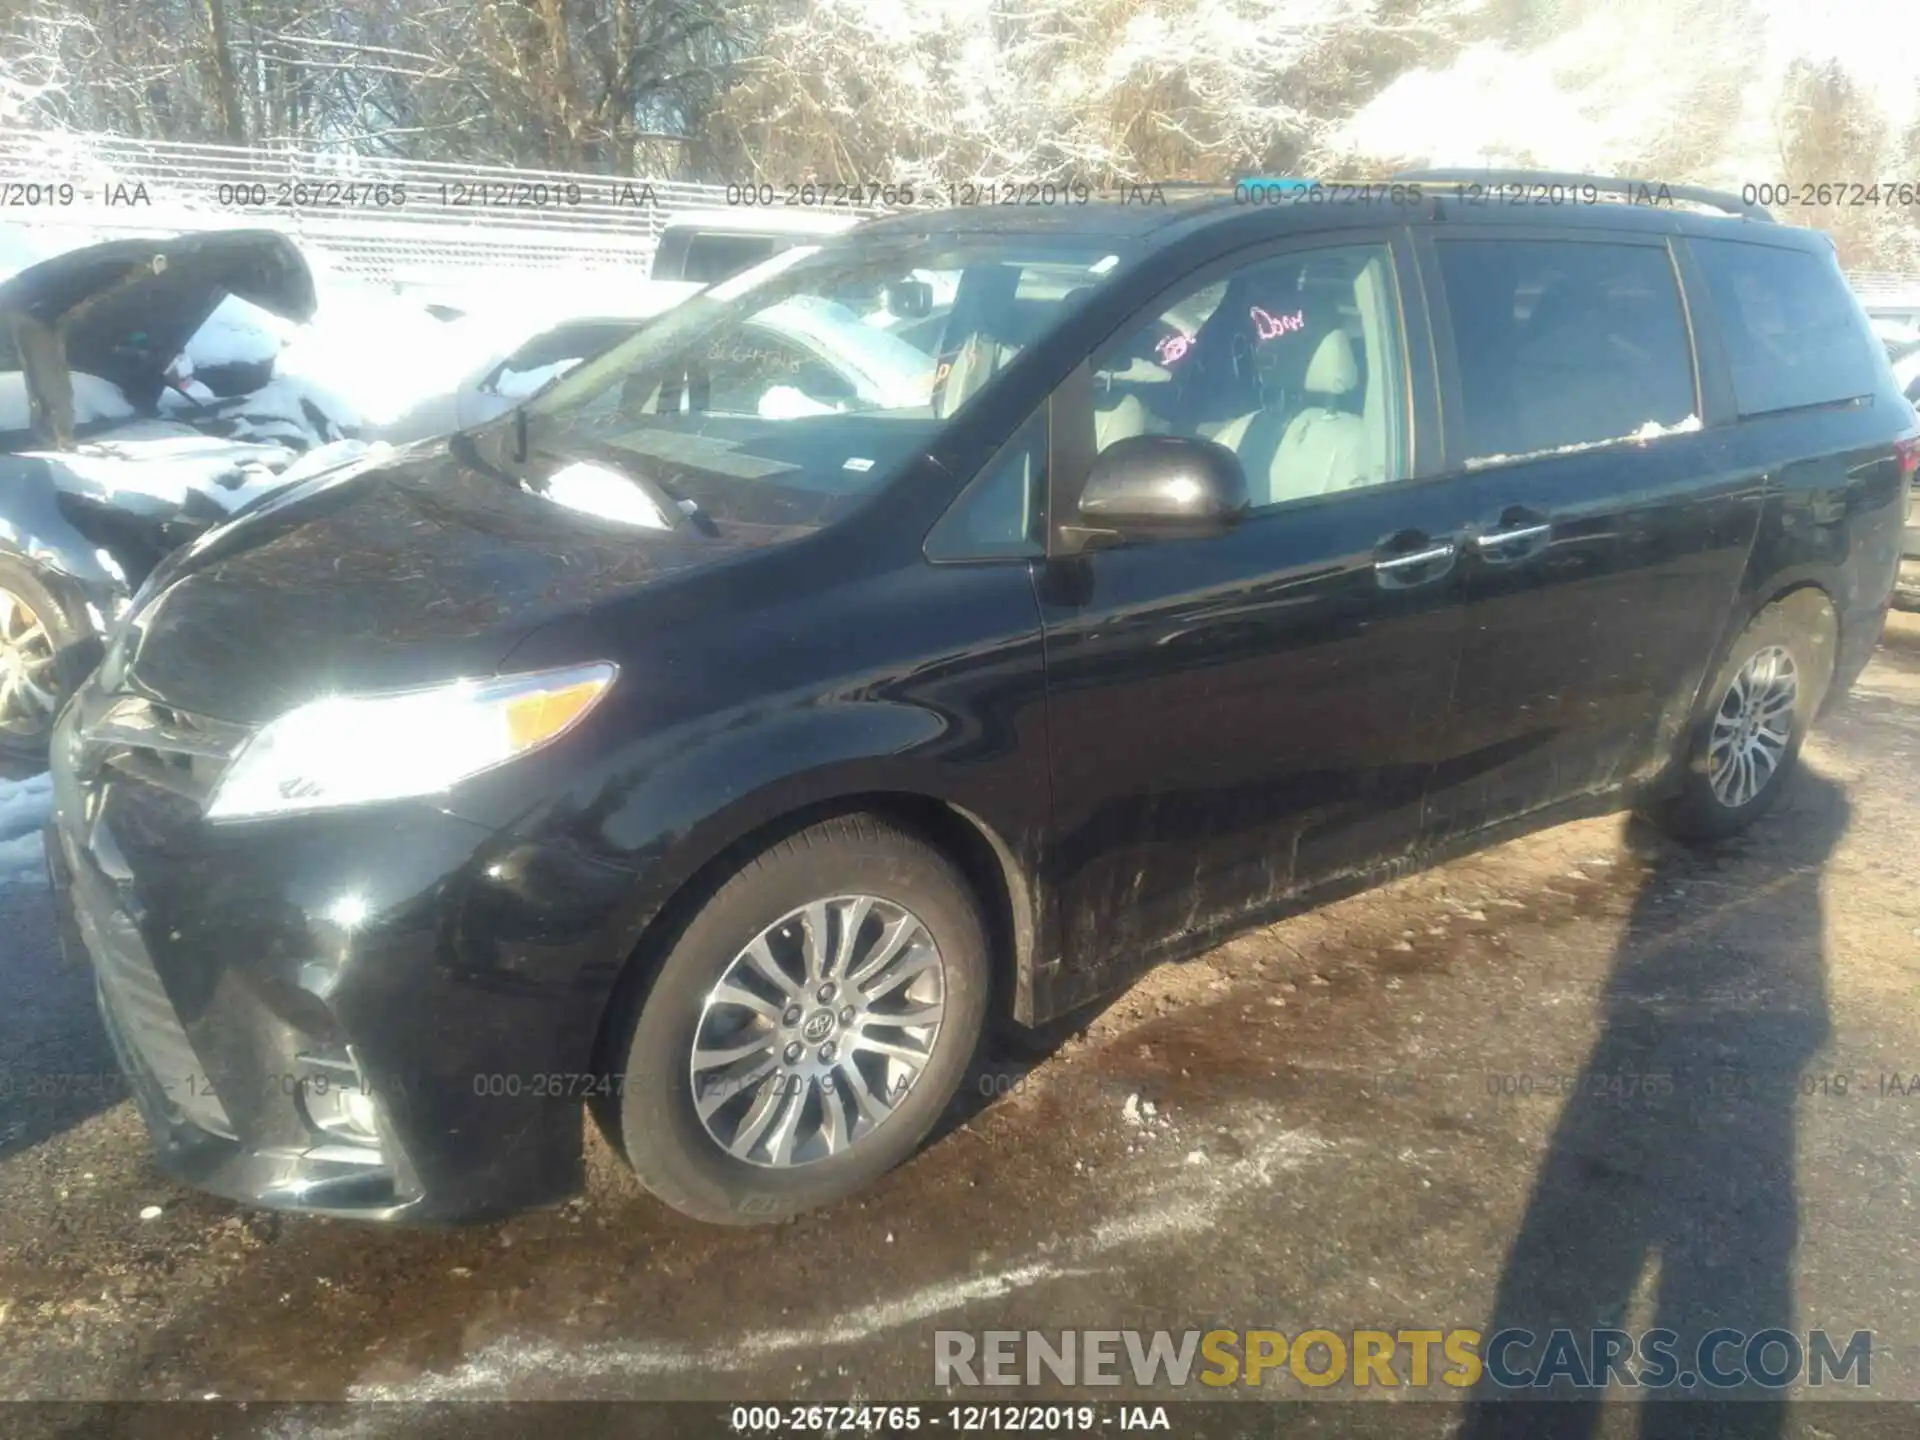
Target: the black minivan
(717, 742)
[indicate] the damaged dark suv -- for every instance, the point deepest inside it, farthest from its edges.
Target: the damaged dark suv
(713, 746)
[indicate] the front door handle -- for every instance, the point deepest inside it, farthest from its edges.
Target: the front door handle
(1403, 570)
(1427, 556)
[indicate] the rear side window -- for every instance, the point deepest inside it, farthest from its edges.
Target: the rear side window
(1564, 343)
(1793, 333)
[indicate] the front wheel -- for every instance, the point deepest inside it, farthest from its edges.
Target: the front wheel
(1762, 702)
(808, 1027)
(40, 648)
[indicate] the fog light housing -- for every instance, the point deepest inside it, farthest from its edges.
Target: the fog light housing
(336, 1100)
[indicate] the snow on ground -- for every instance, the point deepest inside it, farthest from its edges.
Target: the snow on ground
(24, 808)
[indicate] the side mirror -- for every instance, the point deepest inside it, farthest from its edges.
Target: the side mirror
(1159, 487)
(910, 299)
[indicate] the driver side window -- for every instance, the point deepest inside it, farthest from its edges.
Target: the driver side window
(1292, 362)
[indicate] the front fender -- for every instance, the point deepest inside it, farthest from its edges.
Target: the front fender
(34, 527)
(734, 783)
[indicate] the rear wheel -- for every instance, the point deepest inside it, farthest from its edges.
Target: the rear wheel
(1759, 708)
(38, 642)
(808, 1027)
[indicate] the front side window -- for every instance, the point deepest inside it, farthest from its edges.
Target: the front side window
(790, 392)
(1563, 344)
(1793, 331)
(1292, 362)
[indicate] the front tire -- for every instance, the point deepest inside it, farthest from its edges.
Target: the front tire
(44, 654)
(1756, 715)
(808, 1027)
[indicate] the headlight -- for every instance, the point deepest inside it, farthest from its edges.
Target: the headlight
(351, 749)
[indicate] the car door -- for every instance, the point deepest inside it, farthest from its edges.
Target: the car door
(1234, 719)
(1611, 519)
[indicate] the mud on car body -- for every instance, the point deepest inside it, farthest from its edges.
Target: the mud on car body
(714, 746)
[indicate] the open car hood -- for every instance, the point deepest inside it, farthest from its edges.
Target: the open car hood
(126, 308)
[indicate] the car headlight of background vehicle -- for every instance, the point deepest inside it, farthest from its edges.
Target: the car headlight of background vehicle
(352, 749)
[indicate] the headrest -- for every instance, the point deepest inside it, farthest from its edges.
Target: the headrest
(1332, 370)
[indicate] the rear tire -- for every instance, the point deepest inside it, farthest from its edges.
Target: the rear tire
(753, 1087)
(1755, 715)
(46, 649)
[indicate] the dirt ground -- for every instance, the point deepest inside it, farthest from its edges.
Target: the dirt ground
(1400, 1111)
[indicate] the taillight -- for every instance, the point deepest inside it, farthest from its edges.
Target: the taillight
(1907, 452)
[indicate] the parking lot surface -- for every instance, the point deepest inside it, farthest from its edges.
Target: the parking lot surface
(1427, 1107)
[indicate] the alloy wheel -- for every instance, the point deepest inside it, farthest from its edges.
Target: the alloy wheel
(816, 1031)
(1753, 727)
(29, 693)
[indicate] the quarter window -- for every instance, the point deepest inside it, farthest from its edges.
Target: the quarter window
(1002, 512)
(1563, 344)
(1292, 362)
(1794, 334)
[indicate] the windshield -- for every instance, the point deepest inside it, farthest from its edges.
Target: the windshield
(811, 379)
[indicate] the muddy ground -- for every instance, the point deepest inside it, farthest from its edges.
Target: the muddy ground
(1402, 1111)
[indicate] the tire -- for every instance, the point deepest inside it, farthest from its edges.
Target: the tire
(1717, 801)
(676, 1136)
(44, 637)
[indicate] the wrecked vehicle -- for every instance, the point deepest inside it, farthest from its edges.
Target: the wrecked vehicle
(114, 450)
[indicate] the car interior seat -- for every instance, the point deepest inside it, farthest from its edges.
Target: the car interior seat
(1324, 447)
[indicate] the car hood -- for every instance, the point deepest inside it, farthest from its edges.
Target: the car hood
(128, 307)
(395, 572)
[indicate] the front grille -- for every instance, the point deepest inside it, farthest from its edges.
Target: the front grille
(138, 1007)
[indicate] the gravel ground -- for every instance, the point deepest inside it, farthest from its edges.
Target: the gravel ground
(1400, 1111)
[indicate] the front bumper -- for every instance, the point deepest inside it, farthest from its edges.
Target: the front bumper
(382, 1014)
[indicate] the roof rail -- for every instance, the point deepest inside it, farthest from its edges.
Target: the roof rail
(1607, 184)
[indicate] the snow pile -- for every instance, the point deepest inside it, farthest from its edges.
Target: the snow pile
(94, 399)
(24, 808)
(287, 410)
(162, 461)
(367, 355)
(238, 332)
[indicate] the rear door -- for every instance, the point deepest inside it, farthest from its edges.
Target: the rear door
(1234, 719)
(1611, 516)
